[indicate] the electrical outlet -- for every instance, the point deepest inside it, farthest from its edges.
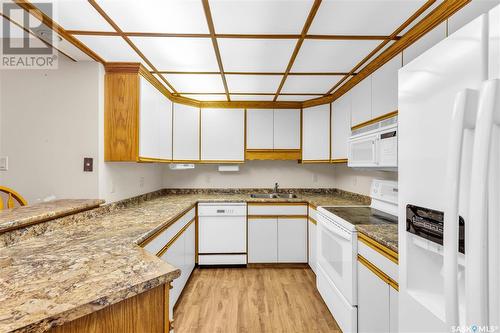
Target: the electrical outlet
(4, 163)
(141, 182)
(88, 164)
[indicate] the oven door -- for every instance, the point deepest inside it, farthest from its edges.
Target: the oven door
(337, 251)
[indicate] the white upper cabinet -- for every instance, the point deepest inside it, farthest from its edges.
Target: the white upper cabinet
(341, 126)
(222, 135)
(469, 13)
(165, 126)
(186, 135)
(385, 87)
(273, 129)
(260, 129)
(287, 129)
(316, 133)
(423, 44)
(155, 123)
(361, 106)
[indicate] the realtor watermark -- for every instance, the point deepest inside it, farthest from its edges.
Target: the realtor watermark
(474, 329)
(27, 43)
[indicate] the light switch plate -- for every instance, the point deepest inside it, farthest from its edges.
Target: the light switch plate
(4, 163)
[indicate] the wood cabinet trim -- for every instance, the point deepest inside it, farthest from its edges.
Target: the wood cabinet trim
(383, 250)
(276, 203)
(172, 241)
(375, 270)
(375, 120)
(254, 217)
(314, 161)
(273, 154)
(312, 220)
(339, 161)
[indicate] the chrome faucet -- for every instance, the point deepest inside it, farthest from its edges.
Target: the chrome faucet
(276, 185)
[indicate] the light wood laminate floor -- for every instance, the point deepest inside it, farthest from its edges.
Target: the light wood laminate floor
(228, 300)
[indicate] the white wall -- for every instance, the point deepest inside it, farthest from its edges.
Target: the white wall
(49, 121)
(359, 181)
(289, 174)
(48, 125)
(253, 174)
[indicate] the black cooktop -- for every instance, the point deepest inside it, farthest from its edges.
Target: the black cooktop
(363, 215)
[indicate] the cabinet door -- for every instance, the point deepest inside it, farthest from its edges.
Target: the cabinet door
(148, 126)
(341, 126)
(394, 312)
(385, 87)
(286, 129)
(222, 135)
(423, 44)
(469, 13)
(373, 302)
(175, 257)
(260, 129)
(361, 109)
(262, 240)
(186, 137)
(164, 123)
(316, 133)
(189, 249)
(312, 245)
(292, 240)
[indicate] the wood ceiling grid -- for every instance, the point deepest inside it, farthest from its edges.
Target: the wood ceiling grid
(37, 37)
(129, 42)
(300, 41)
(438, 15)
(396, 32)
(211, 28)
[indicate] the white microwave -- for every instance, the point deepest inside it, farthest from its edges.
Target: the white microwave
(375, 146)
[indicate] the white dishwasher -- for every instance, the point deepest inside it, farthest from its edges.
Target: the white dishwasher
(222, 233)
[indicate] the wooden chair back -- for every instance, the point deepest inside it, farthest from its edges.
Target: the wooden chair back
(12, 198)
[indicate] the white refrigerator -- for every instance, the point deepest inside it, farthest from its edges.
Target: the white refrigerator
(449, 183)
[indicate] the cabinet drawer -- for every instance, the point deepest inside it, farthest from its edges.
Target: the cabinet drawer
(222, 259)
(160, 240)
(383, 263)
(277, 210)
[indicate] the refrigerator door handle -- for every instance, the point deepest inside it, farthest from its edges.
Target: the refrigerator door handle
(463, 117)
(476, 236)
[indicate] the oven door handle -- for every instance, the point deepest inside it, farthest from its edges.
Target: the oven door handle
(335, 229)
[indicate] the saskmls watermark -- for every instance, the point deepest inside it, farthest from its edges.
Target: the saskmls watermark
(27, 43)
(474, 329)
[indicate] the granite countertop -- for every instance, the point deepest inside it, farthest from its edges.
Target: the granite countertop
(19, 217)
(84, 266)
(385, 234)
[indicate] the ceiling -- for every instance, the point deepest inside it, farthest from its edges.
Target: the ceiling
(251, 50)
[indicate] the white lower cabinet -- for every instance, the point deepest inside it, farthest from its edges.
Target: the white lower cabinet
(311, 234)
(292, 240)
(274, 236)
(373, 302)
(263, 240)
(377, 296)
(393, 310)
